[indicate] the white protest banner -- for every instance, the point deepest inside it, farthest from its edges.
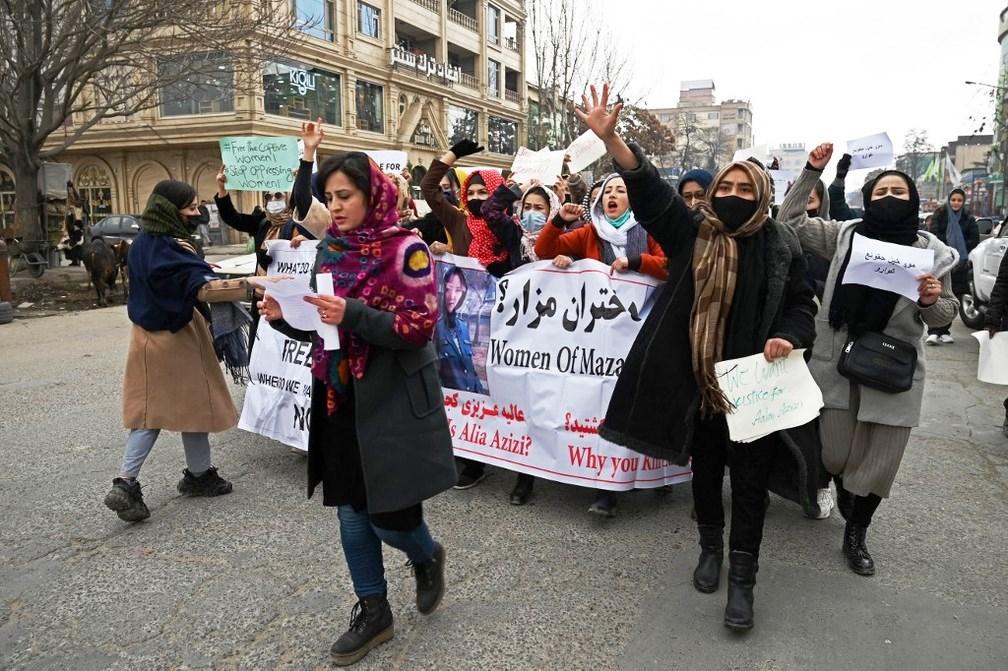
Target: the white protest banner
(768, 396)
(992, 366)
(259, 163)
(758, 152)
(528, 363)
(278, 395)
(782, 180)
(873, 151)
(884, 265)
(543, 165)
(389, 160)
(585, 150)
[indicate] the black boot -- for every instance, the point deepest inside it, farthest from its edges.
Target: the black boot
(742, 567)
(844, 499)
(430, 581)
(207, 484)
(370, 626)
(708, 571)
(522, 491)
(855, 551)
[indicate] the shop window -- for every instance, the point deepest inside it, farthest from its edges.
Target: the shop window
(6, 200)
(463, 124)
(370, 108)
(502, 136)
(94, 184)
(302, 92)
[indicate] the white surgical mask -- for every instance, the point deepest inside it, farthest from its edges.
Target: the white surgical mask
(276, 206)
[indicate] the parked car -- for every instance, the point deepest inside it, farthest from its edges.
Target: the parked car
(984, 262)
(116, 227)
(235, 266)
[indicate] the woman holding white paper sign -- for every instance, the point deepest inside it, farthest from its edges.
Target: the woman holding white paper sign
(736, 288)
(864, 428)
(379, 440)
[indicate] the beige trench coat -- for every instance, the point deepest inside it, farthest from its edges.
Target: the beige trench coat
(173, 381)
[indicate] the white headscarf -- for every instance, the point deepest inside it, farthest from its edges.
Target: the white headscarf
(617, 237)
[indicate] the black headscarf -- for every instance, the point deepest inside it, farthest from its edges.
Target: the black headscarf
(863, 308)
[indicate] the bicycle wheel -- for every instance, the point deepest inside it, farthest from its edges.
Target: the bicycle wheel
(36, 264)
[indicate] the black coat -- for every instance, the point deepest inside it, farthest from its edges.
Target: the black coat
(971, 232)
(655, 402)
(997, 309)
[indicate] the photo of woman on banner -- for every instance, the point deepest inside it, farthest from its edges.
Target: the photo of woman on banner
(452, 336)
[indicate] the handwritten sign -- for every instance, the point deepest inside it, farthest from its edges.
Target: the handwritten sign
(543, 165)
(390, 160)
(873, 151)
(768, 396)
(585, 150)
(782, 181)
(992, 366)
(758, 152)
(883, 265)
(259, 163)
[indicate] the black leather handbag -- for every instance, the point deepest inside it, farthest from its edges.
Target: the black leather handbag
(880, 362)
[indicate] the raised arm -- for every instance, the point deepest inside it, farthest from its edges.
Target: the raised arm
(246, 223)
(312, 135)
(838, 208)
(430, 187)
(816, 234)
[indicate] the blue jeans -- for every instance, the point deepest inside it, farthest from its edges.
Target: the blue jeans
(362, 547)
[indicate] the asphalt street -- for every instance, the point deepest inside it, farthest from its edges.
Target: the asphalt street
(256, 579)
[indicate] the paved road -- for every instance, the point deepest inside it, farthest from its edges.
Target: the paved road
(256, 580)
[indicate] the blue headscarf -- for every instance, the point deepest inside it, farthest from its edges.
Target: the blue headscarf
(953, 232)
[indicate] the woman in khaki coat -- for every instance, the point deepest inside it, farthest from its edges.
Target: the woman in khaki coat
(173, 378)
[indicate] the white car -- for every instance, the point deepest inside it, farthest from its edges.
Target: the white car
(236, 266)
(984, 261)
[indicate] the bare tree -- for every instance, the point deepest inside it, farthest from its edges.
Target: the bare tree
(917, 152)
(66, 65)
(715, 148)
(638, 125)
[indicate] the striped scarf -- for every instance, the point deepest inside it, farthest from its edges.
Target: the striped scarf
(715, 270)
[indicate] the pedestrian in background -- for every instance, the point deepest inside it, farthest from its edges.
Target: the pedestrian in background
(693, 186)
(173, 380)
(865, 430)
(955, 226)
(378, 441)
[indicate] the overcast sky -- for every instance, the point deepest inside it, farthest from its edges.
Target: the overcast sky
(821, 70)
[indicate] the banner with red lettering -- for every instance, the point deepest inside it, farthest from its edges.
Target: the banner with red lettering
(528, 363)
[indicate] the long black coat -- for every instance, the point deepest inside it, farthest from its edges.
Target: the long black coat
(655, 402)
(971, 233)
(997, 310)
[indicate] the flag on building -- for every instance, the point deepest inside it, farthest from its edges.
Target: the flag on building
(951, 173)
(931, 173)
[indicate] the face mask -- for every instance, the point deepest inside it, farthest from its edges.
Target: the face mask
(618, 222)
(891, 208)
(533, 221)
(733, 211)
(475, 207)
(451, 198)
(812, 213)
(276, 206)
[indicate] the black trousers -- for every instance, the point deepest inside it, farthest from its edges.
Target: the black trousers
(750, 465)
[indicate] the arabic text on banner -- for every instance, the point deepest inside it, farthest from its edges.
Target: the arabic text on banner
(529, 361)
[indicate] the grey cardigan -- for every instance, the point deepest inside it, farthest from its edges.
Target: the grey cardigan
(831, 240)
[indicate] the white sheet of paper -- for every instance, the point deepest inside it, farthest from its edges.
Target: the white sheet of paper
(328, 332)
(883, 265)
(992, 366)
(759, 152)
(782, 180)
(543, 165)
(585, 150)
(872, 151)
(290, 294)
(389, 160)
(768, 396)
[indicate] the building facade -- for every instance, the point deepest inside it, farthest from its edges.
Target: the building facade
(707, 132)
(413, 75)
(790, 155)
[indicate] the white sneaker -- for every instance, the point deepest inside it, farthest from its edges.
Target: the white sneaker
(947, 339)
(933, 340)
(824, 497)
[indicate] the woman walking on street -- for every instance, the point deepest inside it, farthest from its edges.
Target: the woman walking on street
(736, 288)
(955, 226)
(379, 441)
(865, 430)
(173, 380)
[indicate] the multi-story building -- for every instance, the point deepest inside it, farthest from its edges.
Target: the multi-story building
(415, 75)
(708, 131)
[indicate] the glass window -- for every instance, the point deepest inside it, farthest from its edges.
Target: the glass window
(6, 200)
(493, 78)
(370, 114)
(368, 20)
(209, 88)
(463, 124)
(493, 24)
(315, 17)
(302, 92)
(95, 188)
(502, 135)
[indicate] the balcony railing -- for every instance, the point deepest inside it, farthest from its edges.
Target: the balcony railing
(469, 80)
(511, 43)
(511, 95)
(463, 20)
(432, 5)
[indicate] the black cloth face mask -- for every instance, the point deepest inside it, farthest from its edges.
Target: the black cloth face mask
(733, 211)
(892, 219)
(451, 198)
(475, 207)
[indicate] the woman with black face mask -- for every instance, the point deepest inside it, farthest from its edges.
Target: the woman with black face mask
(736, 288)
(864, 429)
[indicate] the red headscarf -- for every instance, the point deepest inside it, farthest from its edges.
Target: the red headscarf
(484, 247)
